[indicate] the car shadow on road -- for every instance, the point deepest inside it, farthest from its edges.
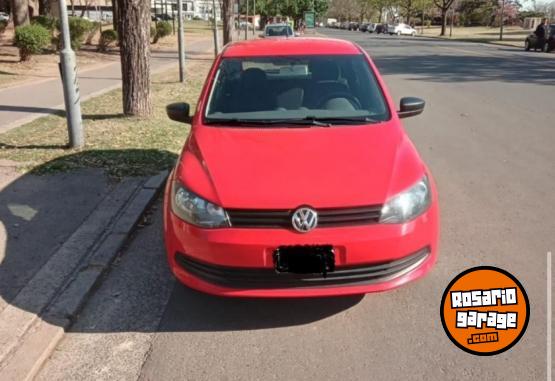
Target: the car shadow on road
(468, 68)
(192, 311)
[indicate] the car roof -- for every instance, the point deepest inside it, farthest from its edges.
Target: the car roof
(293, 46)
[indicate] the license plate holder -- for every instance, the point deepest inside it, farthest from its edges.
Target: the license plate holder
(309, 259)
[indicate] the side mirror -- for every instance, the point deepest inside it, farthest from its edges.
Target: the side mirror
(178, 112)
(411, 106)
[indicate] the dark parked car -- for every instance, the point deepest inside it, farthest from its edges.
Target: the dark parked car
(381, 28)
(353, 26)
(161, 17)
(532, 42)
(363, 27)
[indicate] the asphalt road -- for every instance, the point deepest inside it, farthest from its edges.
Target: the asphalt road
(488, 135)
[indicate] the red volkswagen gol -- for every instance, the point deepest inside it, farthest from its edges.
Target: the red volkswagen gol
(297, 178)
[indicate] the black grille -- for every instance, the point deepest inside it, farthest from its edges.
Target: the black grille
(364, 215)
(236, 277)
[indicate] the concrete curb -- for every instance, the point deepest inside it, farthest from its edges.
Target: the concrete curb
(56, 294)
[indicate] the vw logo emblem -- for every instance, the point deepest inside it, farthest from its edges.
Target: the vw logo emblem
(304, 219)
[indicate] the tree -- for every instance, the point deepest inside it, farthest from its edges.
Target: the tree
(20, 12)
(44, 7)
(444, 6)
(227, 17)
(134, 33)
(407, 8)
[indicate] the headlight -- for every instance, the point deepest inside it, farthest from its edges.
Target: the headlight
(408, 204)
(196, 210)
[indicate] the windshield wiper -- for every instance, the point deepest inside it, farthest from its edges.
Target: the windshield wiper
(308, 121)
(348, 119)
(293, 122)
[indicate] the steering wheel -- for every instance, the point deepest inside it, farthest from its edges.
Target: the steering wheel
(340, 94)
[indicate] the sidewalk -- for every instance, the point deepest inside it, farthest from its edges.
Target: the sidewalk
(61, 232)
(24, 103)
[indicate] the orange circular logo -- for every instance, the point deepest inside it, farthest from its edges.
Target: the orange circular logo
(485, 310)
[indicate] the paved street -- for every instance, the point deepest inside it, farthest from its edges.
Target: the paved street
(487, 134)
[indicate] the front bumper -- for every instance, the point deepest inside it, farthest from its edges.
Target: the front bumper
(240, 261)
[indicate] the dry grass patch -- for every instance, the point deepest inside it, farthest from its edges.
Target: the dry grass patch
(121, 145)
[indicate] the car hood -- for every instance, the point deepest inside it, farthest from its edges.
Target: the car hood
(283, 168)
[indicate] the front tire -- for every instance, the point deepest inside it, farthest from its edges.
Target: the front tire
(413, 34)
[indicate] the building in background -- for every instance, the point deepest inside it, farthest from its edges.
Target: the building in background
(102, 9)
(192, 9)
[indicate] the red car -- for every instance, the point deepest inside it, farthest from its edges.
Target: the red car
(297, 178)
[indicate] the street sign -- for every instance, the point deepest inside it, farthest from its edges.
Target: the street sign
(309, 19)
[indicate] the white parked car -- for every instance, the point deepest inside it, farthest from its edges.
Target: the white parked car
(401, 29)
(4, 16)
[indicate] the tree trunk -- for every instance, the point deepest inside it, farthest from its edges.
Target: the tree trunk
(134, 22)
(20, 11)
(86, 8)
(443, 21)
(44, 7)
(115, 18)
(227, 16)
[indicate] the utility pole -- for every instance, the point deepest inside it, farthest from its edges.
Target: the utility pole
(247, 22)
(216, 47)
(71, 89)
(181, 41)
(502, 20)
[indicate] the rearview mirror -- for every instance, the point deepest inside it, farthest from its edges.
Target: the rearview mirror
(178, 112)
(411, 106)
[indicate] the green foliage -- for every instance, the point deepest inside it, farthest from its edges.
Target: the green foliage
(31, 39)
(294, 9)
(163, 29)
(523, 14)
(107, 37)
(477, 12)
(47, 22)
(78, 30)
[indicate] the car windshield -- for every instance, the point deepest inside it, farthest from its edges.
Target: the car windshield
(279, 30)
(334, 88)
